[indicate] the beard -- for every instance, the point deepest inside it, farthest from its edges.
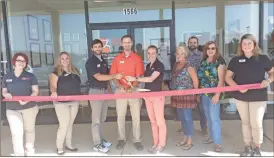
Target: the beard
(192, 48)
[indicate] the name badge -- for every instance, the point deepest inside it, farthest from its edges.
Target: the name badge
(9, 80)
(122, 62)
(242, 61)
(25, 78)
(98, 65)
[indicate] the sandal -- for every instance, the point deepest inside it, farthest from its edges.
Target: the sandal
(187, 146)
(182, 143)
(218, 148)
(208, 141)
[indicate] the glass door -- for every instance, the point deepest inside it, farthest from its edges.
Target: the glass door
(158, 36)
(111, 39)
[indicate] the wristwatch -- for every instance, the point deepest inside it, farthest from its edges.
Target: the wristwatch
(269, 80)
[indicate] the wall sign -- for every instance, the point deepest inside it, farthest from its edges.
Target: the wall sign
(130, 11)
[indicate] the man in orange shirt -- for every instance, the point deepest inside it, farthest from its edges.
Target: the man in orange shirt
(129, 64)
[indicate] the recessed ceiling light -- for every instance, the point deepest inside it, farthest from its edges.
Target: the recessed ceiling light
(100, 1)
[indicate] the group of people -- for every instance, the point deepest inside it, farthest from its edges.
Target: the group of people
(193, 69)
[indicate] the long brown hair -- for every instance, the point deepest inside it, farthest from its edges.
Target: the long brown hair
(256, 50)
(59, 68)
(216, 56)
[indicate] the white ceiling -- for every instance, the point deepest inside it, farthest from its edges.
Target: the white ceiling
(64, 5)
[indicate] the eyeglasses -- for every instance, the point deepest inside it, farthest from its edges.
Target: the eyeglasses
(21, 61)
(213, 48)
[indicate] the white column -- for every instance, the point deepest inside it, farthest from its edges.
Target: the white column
(56, 33)
(253, 27)
(220, 26)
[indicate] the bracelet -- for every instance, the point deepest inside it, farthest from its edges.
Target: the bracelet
(268, 79)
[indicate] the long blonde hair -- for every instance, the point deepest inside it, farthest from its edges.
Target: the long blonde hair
(59, 68)
(257, 51)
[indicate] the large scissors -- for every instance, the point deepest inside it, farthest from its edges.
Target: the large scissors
(137, 89)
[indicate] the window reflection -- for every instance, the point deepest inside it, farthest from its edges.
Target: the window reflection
(268, 40)
(74, 40)
(239, 20)
(31, 34)
(199, 22)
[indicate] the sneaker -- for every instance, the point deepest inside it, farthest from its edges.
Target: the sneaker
(101, 148)
(120, 145)
(205, 132)
(248, 152)
(138, 146)
(106, 143)
(158, 150)
(151, 150)
(257, 152)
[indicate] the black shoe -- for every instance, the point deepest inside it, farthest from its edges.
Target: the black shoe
(139, 146)
(120, 145)
(60, 152)
(248, 152)
(257, 152)
(72, 149)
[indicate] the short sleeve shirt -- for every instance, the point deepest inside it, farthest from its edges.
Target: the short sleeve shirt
(19, 86)
(94, 66)
(250, 71)
(195, 58)
(156, 85)
(208, 75)
(129, 66)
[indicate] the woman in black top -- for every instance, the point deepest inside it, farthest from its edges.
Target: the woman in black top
(249, 67)
(21, 115)
(153, 79)
(65, 81)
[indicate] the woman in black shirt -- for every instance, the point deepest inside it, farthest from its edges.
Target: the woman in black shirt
(65, 81)
(21, 115)
(249, 67)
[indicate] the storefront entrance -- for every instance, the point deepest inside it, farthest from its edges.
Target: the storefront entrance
(144, 33)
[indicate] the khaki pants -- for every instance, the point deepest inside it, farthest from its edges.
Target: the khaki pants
(252, 114)
(99, 114)
(121, 109)
(66, 114)
(22, 122)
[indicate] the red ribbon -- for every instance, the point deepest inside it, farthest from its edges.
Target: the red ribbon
(135, 94)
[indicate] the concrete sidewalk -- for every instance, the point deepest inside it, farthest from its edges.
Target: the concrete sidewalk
(232, 140)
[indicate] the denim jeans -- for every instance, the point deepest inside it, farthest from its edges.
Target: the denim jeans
(202, 116)
(212, 112)
(185, 116)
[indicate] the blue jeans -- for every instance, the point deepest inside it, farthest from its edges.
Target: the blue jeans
(212, 112)
(185, 116)
(202, 116)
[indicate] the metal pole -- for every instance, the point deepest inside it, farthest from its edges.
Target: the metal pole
(88, 32)
(172, 35)
(261, 24)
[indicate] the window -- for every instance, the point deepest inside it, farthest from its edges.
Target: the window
(239, 20)
(268, 41)
(74, 40)
(31, 34)
(200, 22)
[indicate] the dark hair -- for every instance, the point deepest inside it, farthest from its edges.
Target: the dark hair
(193, 37)
(96, 41)
(16, 55)
(153, 47)
(126, 36)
